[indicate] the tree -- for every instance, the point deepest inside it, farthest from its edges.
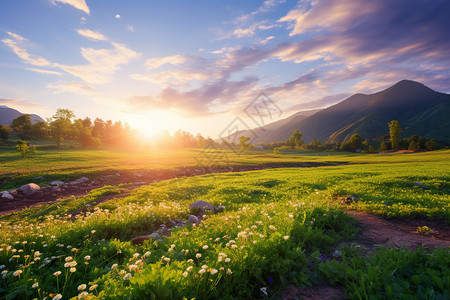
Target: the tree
(394, 132)
(4, 134)
(431, 145)
(295, 141)
(383, 146)
(355, 142)
(24, 149)
(22, 125)
(60, 125)
(243, 143)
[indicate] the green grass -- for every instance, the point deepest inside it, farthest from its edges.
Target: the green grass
(280, 227)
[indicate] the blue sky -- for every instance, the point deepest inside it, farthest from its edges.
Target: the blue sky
(196, 65)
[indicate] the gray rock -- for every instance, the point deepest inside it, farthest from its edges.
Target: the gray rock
(7, 196)
(82, 179)
(56, 182)
(155, 236)
(29, 189)
(56, 189)
(202, 206)
(193, 219)
(230, 168)
(220, 208)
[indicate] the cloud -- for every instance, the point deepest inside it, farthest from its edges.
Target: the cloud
(17, 45)
(49, 72)
(154, 63)
(267, 5)
(130, 28)
(117, 16)
(73, 87)
(78, 4)
(103, 63)
(266, 40)
(19, 103)
(322, 102)
(92, 35)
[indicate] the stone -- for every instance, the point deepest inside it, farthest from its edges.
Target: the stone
(29, 189)
(155, 236)
(220, 208)
(7, 196)
(230, 168)
(56, 182)
(82, 179)
(193, 219)
(201, 206)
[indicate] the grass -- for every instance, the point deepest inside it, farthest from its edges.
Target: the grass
(280, 226)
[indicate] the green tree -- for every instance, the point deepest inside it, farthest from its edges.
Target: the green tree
(395, 131)
(371, 149)
(24, 149)
(383, 146)
(22, 125)
(431, 145)
(243, 143)
(60, 125)
(4, 134)
(295, 141)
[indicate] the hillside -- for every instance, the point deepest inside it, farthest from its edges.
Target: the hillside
(7, 115)
(419, 109)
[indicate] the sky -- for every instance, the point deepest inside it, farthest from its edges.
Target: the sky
(200, 65)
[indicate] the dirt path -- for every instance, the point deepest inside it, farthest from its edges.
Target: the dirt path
(135, 178)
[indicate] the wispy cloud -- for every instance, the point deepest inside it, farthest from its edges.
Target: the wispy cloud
(19, 103)
(73, 87)
(92, 35)
(78, 4)
(17, 44)
(42, 71)
(154, 63)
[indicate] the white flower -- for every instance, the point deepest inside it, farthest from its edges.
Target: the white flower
(17, 273)
(185, 274)
(72, 270)
(92, 231)
(166, 259)
(227, 260)
(35, 285)
(114, 266)
(57, 297)
(213, 271)
(272, 228)
(198, 255)
(69, 258)
(202, 271)
(229, 272)
(82, 287)
(93, 287)
(83, 295)
(286, 237)
(87, 257)
(57, 273)
(189, 268)
(205, 247)
(127, 276)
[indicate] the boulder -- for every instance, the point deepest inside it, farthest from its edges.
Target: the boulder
(140, 239)
(56, 182)
(201, 206)
(193, 219)
(7, 196)
(220, 208)
(155, 236)
(29, 189)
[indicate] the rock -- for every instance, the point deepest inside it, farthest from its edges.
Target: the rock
(193, 219)
(140, 239)
(220, 208)
(201, 206)
(29, 189)
(7, 196)
(230, 168)
(56, 189)
(56, 182)
(155, 236)
(82, 179)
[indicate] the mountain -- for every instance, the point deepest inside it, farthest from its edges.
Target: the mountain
(268, 133)
(7, 115)
(419, 109)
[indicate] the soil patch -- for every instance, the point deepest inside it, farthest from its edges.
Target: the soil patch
(399, 233)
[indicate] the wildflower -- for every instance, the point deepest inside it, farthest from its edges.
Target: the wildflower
(185, 274)
(234, 246)
(204, 267)
(92, 231)
(191, 261)
(82, 287)
(133, 268)
(189, 268)
(136, 255)
(93, 287)
(57, 273)
(272, 228)
(291, 216)
(17, 273)
(202, 271)
(166, 259)
(87, 257)
(286, 237)
(83, 295)
(264, 291)
(57, 297)
(198, 255)
(229, 272)
(205, 247)
(147, 254)
(254, 242)
(69, 258)
(127, 276)
(35, 285)
(213, 271)
(73, 270)
(2, 267)
(227, 260)
(114, 266)
(24, 242)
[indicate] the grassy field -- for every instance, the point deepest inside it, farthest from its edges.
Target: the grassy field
(281, 226)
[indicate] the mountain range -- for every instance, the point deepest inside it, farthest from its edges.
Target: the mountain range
(7, 115)
(419, 110)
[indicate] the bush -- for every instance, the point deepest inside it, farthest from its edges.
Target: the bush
(24, 149)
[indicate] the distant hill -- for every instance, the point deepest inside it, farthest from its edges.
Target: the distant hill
(7, 115)
(419, 109)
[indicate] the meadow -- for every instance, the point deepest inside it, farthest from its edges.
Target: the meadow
(281, 226)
